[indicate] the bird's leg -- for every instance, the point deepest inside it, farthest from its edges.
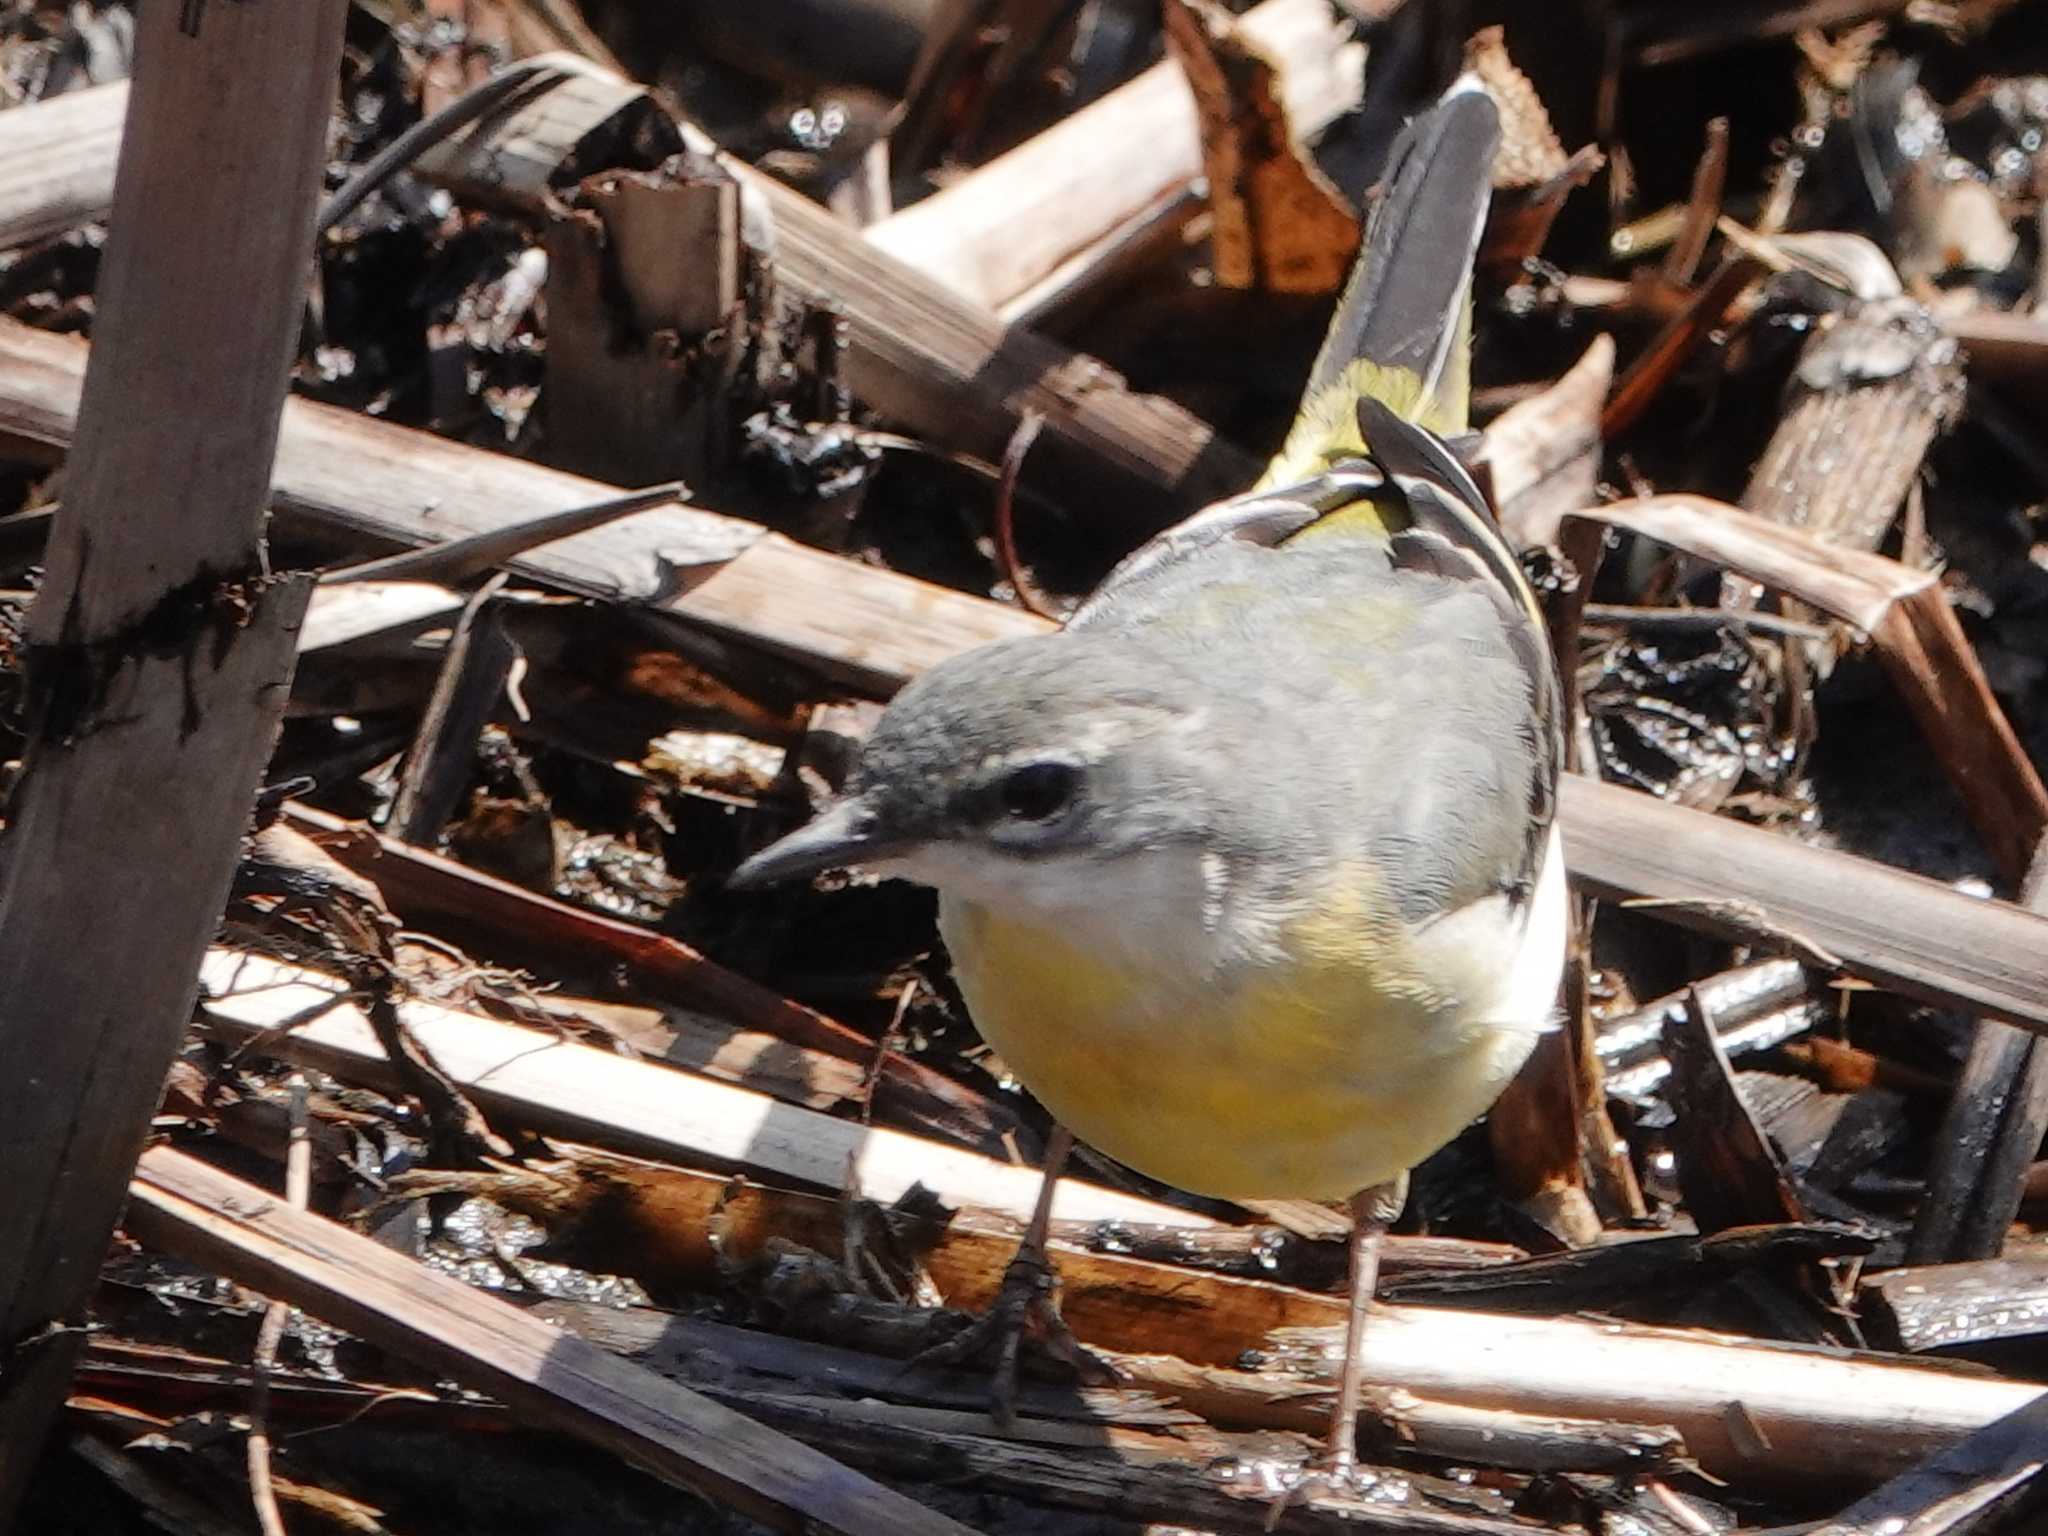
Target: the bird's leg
(1031, 1275)
(1372, 1212)
(1025, 1302)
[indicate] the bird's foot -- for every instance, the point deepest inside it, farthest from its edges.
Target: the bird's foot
(1026, 1305)
(1333, 1472)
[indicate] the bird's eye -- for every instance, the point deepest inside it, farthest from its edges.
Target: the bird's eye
(1039, 791)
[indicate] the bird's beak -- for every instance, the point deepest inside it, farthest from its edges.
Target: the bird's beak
(843, 835)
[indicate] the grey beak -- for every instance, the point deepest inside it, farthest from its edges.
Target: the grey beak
(843, 835)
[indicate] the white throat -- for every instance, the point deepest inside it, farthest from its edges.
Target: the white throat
(1173, 911)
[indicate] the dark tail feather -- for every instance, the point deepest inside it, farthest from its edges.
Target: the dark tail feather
(1406, 304)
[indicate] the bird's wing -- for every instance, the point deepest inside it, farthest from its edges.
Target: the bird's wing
(1366, 573)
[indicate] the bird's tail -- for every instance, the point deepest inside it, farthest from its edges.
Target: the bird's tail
(1402, 331)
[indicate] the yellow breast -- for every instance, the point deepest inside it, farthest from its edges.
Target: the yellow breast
(1317, 1074)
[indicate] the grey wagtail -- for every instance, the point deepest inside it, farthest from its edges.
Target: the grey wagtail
(1250, 872)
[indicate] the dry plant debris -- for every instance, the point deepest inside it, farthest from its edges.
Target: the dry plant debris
(712, 371)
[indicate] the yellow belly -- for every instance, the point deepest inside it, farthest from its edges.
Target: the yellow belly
(1313, 1079)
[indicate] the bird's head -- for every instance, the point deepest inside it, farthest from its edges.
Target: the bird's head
(1021, 771)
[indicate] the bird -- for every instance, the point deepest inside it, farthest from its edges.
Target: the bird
(1251, 871)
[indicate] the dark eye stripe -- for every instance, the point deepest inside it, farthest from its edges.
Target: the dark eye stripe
(1039, 791)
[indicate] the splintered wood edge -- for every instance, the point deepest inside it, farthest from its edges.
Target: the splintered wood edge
(183, 1206)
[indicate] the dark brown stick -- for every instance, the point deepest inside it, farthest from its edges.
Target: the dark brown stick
(1726, 1165)
(1900, 931)
(1990, 1135)
(474, 668)
(1978, 1477)
(185, 1207)
(1648, 374)
(424, 888)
